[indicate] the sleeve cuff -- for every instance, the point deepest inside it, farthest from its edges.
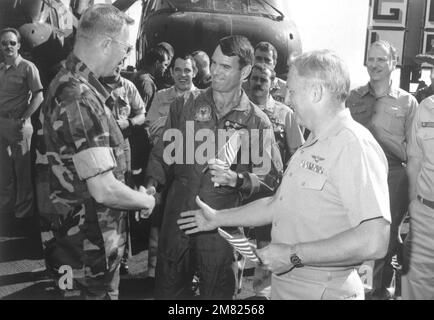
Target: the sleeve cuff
(94, 161)
(251, 184)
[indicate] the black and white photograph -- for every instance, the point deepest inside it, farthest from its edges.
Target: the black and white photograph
(214, 155)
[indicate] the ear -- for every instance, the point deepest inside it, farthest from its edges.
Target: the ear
(18, 45)
(105, 44)
(316, 92)
(245, 72)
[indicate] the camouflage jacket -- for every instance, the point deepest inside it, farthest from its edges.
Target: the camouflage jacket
(74, 120)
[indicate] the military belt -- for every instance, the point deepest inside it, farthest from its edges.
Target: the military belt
(426, 202)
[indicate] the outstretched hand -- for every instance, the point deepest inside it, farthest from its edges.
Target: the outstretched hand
(204, 219)
(150, 196)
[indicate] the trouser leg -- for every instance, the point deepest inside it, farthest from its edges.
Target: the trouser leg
(418, 263)
(262, 278)
(175, 263)
(398, 191)
(23, 175)
(215, 258)
(7, 188)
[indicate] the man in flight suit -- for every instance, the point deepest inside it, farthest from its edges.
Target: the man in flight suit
(223, 108)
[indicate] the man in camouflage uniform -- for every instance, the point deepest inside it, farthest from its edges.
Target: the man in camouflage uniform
(129, 111)
(81, 162)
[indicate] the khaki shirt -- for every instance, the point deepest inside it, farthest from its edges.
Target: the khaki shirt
(388, 118)
(332, 184)
(17, 82)
(421, 145)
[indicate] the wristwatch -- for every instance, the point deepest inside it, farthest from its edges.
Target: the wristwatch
(240, 180)
(295, 259)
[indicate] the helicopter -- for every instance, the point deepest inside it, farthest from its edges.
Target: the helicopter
(47, 26)
(190, 25)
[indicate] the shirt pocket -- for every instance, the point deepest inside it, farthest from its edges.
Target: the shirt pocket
(313, 182)
(361, 113)
(394, 120)
(427, 139)
(15, 83)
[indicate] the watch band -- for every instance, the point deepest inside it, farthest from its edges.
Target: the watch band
(295, 259)
(240, 180)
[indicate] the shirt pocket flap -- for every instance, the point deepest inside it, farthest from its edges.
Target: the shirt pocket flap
(395, 111)
(314, 182)
(359, 107)
(427, 134)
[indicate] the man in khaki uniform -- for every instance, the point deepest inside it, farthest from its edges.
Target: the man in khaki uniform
(387, 112)
(331, 211)
(418, 268)
(20, 97)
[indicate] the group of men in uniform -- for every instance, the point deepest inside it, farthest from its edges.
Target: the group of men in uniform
(327, 204)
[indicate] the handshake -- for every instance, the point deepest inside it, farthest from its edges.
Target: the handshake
(151, 193)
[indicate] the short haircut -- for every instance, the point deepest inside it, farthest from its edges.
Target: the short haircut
(393, 53)
(238, 46)
(102, 19)
(184, 57)
(262, 67)
(326, 68)
(266, 46)
(201, 54)
(157, 54)
(168, 47)
(12, 30)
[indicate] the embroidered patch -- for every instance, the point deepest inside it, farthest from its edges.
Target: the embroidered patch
(318, 159)
(233, 125)
(312, 167)
(427, 124)
(203, 114)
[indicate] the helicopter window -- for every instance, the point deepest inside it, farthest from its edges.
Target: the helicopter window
(261, 7)
(254, 7)
(229, 5)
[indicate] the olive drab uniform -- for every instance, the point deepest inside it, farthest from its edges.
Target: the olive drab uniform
(208, 254)
(78, 139)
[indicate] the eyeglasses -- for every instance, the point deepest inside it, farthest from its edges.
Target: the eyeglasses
(7, 43)
(129, 47)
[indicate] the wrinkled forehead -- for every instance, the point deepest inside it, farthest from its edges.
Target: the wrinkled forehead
(9, 36)
(378, 51)
(221, 58)
(264, 54)
(183, 63)
(266, 74)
